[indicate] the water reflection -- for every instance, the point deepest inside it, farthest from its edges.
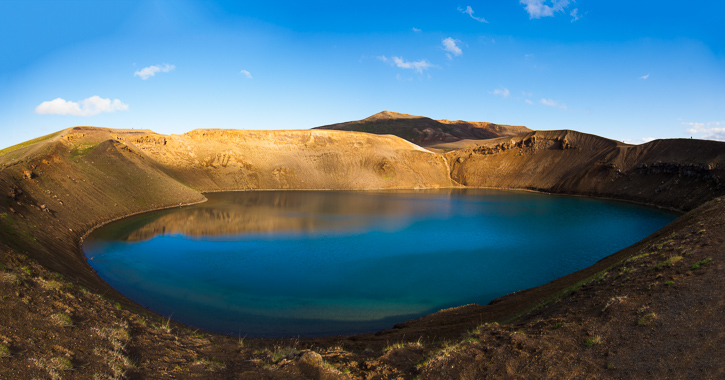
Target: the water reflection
(290, 212)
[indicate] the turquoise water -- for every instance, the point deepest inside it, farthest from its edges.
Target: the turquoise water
(310, 263)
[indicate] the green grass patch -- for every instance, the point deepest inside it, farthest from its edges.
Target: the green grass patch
(210, 364)
(647, 319)
(669, 283)
(700, 263)
(593, 341)
(82, 149)
(4, 351)
(61, 320)
(28, 143)
(669, 262)
(287, 352)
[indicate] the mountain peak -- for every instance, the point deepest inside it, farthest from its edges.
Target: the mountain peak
(388, 115)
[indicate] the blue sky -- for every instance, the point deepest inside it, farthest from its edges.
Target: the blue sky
(626, 70)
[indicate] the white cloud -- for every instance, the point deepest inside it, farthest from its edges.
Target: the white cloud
(575, 14)
(469, 11)
(504, 92)
(528, 101)
(148, 72)
(642, 140)
(417, 30)
(449, 45)
(552, 103)
(644, 76)
(86, 107)
(537, 8)
(417, 66)
(714, 130)
(246, 74)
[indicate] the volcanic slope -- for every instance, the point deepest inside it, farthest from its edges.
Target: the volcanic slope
(626, 316)
(675, 173)
(427, 132)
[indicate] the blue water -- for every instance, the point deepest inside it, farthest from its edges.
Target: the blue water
(309, 263)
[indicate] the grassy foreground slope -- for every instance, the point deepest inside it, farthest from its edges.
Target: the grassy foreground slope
(627, 316)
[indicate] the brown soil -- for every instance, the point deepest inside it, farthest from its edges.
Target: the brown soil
(652, 310)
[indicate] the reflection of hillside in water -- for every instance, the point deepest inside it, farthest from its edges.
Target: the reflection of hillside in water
(238, 213)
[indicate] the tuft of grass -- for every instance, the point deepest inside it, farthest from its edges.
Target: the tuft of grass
(611, 366)
(51, 284)
(61, 320)
(637, 257)
(115, 358)
(592, 341)
(614, 300)
(669, 283)
(647, 319)
(52, 366)
(117, 336)
(10, 278)
(669, 262)
(479, 329)
(700, 263)
(27, 270)
(558, 325)
(396, 346)
(286, 352)
(624, 270)
(4, 351)
(165, 326)
(117, 362)
(210, 364)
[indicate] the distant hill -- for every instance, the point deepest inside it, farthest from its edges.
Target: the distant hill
(426, 131)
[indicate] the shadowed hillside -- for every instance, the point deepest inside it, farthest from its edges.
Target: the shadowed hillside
(425, 131)
(677, 173)
(651, 310)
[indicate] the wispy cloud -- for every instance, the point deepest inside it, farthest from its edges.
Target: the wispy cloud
(503, 92)
(469, 11)
(86, 107)
(642, 140)
(644, 76)
(148, 72)
(575, 14)
(246, 74)
(417, 66)
(417, 30)
(537, 8)
(449, 45)
(528, 101)
(713, 130)
(552, 103)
